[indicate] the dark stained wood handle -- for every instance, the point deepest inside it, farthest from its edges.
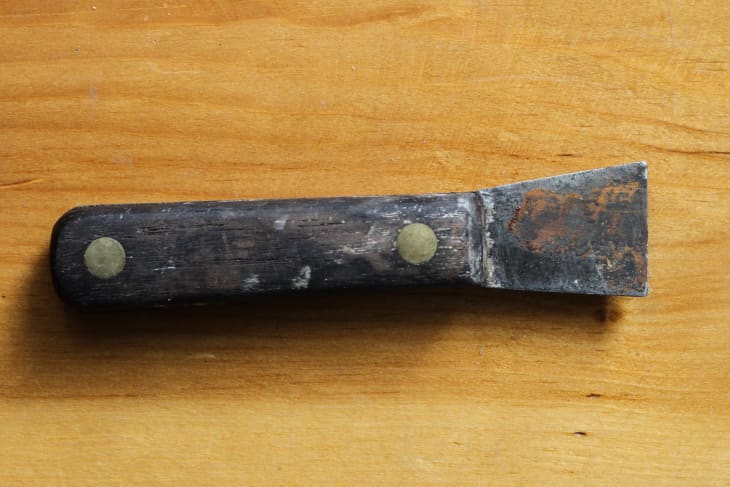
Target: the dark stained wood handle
(123, 256)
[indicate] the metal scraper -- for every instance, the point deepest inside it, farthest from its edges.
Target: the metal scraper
(576, 233)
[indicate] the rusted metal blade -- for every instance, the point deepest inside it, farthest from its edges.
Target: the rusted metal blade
(577, 233)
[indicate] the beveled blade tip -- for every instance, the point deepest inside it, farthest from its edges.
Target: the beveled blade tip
(583, 232)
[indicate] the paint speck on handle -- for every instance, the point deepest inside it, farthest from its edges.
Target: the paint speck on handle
(302, 280)
(280, 223)
(250, 283)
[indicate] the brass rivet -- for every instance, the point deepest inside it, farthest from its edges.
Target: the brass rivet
(105, 258)
(416, 243)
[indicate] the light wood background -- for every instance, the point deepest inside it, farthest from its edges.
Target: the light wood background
(113, 102)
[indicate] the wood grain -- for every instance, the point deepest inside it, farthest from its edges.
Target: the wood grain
(117, 102)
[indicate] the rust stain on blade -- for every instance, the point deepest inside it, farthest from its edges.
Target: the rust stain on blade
(548, 221)
(555, 223)
(585, 232)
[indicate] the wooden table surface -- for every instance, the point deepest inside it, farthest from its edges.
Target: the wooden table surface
(137, 101)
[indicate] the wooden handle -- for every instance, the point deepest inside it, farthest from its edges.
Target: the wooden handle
(159, 254)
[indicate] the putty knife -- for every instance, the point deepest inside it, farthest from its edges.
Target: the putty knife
(577, 233)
